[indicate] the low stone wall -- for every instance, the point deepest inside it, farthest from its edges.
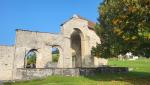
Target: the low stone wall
(26, 74)
(112, 69)
(1, 83)
(93, 71)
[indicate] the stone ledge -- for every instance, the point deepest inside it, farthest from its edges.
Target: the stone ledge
(94, 71)
(27, 74)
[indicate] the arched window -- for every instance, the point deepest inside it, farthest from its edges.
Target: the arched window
(30, 59)
(55, 54)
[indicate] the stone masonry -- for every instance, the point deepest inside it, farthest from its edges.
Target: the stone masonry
(74, 42)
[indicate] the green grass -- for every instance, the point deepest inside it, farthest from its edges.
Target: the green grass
(139, 76)
(55, 57)
(141, 65)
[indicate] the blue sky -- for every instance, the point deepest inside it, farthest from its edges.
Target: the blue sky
(41, 15)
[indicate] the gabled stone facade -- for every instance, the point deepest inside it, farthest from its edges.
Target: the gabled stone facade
(75, 41)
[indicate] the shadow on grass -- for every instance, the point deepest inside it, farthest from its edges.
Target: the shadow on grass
(134, 78)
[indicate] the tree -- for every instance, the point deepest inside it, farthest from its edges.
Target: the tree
(124, 26)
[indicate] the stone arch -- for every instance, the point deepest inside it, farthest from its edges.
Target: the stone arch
(77, 44)
(59, 63)
(55, 54)
(30, 58)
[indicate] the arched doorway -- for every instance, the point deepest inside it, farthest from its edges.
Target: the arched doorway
(76, 48)
(30, 59)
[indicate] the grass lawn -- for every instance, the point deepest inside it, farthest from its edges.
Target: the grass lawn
(140, 75)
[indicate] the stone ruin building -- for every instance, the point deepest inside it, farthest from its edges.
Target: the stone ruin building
(74, 42)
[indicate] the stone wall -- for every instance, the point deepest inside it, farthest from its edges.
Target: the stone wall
(88, 40)
(43, 42)
(112, 69)
(26, 74)
(6, 62)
